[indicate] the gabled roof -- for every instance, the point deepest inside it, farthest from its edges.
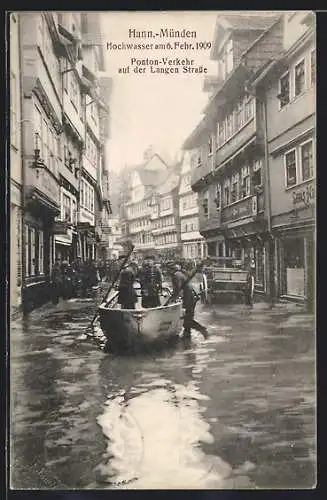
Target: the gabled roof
(149, 176)
(171, 181)
(247, 22)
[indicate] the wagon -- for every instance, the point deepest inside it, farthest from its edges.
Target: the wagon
(226, 278)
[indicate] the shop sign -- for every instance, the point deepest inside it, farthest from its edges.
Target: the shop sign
(305, 196)
(241, 209)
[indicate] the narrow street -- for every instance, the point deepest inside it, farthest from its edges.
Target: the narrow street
(234, 411)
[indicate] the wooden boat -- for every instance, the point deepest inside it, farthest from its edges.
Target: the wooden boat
(134, 329)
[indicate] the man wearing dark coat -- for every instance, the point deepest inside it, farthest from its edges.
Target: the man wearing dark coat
(151, 284)
(127, 296)
(182, 287)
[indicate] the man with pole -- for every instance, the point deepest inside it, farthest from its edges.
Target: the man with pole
(125, 260)
(181, 286)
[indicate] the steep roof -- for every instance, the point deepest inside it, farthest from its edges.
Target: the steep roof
(240, 21)
(171, 181)
(248, 22)
(150, 176)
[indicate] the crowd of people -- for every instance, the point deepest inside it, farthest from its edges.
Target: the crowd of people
(150, 277)
(74, 279)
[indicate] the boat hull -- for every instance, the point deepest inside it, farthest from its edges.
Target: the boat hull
(136, 328)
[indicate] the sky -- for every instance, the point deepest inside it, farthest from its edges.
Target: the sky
(154, 109)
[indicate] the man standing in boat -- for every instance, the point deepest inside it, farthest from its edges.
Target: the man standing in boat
(181, 287)
(151, 284)
(127, 296)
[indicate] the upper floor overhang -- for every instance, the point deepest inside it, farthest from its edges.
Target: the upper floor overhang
(231, 88)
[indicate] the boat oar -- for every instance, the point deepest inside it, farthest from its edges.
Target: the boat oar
(113, 282)
(188, 279)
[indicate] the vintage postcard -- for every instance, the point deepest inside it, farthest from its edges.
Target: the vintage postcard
(162, 255)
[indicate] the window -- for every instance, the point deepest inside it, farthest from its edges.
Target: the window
(205, 206)
(248, 108)
(245, 181)
(13, 110)
(227, 192)
(235, 188)
(210, 145)
(299, 78)
(242, 112)
(290, 166)
(38, 130)
(256, 176)
(34, 251)
(66, 208)
(284, 90)
(307, 160)
(74, 92)
(218, 197)
(313, 67)
(41, 252)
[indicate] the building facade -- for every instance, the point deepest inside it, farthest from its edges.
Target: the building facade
(16, 174)
(165, 219)
(71, 143)
(193, 244)
(230, 175)
(288, 88)
(143, 179)
(41, 150)
(61, 148)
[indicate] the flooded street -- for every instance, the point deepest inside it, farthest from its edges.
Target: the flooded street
(234, 411)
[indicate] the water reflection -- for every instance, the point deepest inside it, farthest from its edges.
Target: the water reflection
(154, 438)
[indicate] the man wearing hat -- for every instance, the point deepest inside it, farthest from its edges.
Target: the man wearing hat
(127, 296)
(151, 283)
(182, 287)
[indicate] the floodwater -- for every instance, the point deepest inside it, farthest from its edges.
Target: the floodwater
(234, 411)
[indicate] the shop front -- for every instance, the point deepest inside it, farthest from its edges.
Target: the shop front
(38, 250)
(295, 246)
(297, 264)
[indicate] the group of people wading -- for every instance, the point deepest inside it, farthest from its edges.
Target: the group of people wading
(150, 279)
